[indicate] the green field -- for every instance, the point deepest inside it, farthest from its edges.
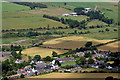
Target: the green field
(95, 23)
(24, 21)
(21, 17)
(11, 7)
(68, 63)
(84, 4)
(9, 40)
(78, 18)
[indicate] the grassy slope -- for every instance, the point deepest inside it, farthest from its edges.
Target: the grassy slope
(15, 17)
(9, 40)
(95, 23)
(84, 4)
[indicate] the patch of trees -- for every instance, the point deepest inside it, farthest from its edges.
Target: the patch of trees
(9, 68)
(51, 17)
(16, 55)
(101, 17)
(30, 34)
(78, 9)
(16, 48)
(37, 57)
(32, 5)
(98, 26)
(70, 22)
(81, 60)
(94, 15)
(76, 32)
(54, 54)
(36, 29)
(47, 58)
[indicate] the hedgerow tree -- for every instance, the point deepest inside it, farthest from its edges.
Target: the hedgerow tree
(90, 61)
(54, 54)
(88, 44)
(37, 57)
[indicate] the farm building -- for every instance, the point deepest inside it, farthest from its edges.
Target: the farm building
(18, 61)
(65, 15)
(87, 10)
(69, 14)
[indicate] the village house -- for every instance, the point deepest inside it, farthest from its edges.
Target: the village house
(63, 60)
(80, 54)
(5, 54)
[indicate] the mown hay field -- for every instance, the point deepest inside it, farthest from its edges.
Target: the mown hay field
(43, 52)
(50, 11)
(114, 47)
(77, 75)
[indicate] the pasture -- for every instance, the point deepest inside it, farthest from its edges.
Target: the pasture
(78, 18)
(77, 75)
(12, 39)
(43, 52)
(21, 20)
(95, 23)
(21, 17)
(11, 7)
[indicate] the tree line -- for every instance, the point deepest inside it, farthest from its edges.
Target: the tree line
(32, 5)
(30, 34)
(36, 29)
(70, 22)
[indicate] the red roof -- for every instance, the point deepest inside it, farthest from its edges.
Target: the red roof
(13, 76)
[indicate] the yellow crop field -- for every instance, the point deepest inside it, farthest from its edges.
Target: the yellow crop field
(72, 42)
(43, 52)
(77, 75)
